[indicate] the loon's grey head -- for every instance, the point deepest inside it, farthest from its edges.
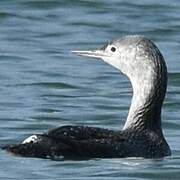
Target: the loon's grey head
(141, 61)
(128, 54)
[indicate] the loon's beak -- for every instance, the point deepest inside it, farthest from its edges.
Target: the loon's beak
(99, 53)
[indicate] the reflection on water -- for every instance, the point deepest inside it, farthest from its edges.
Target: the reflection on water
(44, 86)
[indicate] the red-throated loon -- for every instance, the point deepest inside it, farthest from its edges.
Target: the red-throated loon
(140, 60)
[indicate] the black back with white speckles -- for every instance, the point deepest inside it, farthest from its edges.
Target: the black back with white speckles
(86, 142)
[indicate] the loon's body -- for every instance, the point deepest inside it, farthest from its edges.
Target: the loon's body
(142, 136)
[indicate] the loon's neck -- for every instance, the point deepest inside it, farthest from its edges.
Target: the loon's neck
(148, 94)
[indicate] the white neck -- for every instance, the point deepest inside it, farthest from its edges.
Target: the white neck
(149, 90)
(142, 91)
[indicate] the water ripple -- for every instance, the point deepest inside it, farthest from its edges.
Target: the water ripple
(44, 86)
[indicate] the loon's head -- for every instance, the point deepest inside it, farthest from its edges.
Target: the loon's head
(129, 55)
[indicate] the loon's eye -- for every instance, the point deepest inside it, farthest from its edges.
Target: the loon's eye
(113, 49)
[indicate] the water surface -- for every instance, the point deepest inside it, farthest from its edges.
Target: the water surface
(44, 86)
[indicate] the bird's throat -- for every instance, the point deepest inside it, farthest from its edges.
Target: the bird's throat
(148, 95)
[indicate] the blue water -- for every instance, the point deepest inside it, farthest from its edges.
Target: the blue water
(43, 85)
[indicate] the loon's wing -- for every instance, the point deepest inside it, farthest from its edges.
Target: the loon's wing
(80, 132)
(72, 142)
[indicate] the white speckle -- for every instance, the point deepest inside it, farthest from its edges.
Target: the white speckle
(65, 133)
(58, 157)
(30, 139)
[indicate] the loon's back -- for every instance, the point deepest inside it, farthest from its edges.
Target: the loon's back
(72, 142)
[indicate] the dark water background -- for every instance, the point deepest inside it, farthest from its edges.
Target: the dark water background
(43, 85)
